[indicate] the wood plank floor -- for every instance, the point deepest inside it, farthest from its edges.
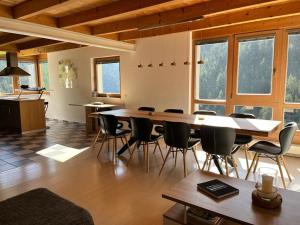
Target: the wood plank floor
(114, 194)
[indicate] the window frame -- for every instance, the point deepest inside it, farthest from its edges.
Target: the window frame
(95, 77)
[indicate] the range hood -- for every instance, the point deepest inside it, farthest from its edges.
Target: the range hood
(12, 68)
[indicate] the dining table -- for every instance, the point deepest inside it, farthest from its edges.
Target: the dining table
(256, 127)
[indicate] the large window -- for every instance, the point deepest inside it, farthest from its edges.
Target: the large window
(219, 109)
(259, 112)
(6, 83)
(29, 67)
(211, 70)
(255, 65)
(107, 76)
(44, 74)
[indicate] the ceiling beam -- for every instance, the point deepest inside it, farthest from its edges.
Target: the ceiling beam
(41, 31)
(10, 38)
(175, 15)
(30, 8)
(110, 10)
(36, 43)
(48, 49)
(220, 20)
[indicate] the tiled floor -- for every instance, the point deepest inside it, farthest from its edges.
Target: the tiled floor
(18, 150)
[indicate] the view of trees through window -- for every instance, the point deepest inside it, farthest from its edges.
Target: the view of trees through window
(259, 112)
(219, 109)
(6, 83)
(44, 74)
(211, 75)
(255, 66)
(108, 76)
(29, 67)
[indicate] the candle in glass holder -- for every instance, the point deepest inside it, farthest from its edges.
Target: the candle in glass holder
(267, 183)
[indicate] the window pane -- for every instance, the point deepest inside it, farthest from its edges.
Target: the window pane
(29, 67)
(6, 83)
(219, 109)
(292, 115)
(211, 75)
(108, 77)
(259, 112)
(293, 69)
(44, 75)
(255, 66)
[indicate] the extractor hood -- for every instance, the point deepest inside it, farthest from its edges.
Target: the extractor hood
(12, 68)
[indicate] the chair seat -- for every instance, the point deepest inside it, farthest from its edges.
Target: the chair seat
(242, 139)
(122, 132)
(192, 142)
(159, 129)
(265, 147)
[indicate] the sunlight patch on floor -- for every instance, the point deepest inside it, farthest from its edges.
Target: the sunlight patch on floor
(60, 153)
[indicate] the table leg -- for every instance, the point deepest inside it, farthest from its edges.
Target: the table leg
(217, 163)
(131, 141)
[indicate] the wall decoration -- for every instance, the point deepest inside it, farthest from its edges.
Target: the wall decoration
(67, 72)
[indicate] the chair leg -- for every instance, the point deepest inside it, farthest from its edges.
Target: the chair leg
(108, 145)
(226, 166)
(161, 154)
(147, 157)
(122, 140)
(176, 157)
(96, 138)
(246, 156)
(132, 153)
(126, 141)
(235, 166)
(184, 162)
(114, 149)
(205, 162)
(102, 143)
(280, 170)
(195, 155)
(285, 167)
(168, 153)
(256, 164)
(252, 164)
(209, 163)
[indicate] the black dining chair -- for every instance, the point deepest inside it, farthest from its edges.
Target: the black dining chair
(146, 108)
(197, 133)
(272, 151)
(109, 130)
(142, 133)
(218, 142)
(160, 129)
(177, 137)
(242, 139)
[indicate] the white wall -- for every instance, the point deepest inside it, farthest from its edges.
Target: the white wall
(161, 87)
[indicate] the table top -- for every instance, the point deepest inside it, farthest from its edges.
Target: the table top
(237, 208)
(95, 105)
(256, 127)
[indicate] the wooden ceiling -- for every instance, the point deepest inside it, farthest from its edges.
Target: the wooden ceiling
(130, 20)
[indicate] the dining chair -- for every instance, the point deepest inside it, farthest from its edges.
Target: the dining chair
(242, 139)
(177, 137)
(197, 133)
(273, 151)
(142, 133)
(218, 142)
(146, 108)
(109, 129)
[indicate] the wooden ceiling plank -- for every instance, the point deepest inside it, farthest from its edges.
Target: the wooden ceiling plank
(175, 15)
(30, 8)
(106, 11)
(36, 43)
(10, 38)
(6, 11)
(219, 20)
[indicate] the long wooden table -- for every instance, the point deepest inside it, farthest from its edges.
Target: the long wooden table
(255, 127)
(238, 208)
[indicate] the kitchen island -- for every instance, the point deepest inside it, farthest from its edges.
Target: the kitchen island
(22, 115)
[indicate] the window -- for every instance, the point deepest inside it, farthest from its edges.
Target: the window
(6, 83)
(255, 65)
(211, 73)
(219, 109)
(44, 74)
(107, 79)
(292, 115)
(29, 67)
(292, 93)
(259, 112)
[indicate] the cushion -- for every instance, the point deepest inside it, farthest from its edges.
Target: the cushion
(265, 147)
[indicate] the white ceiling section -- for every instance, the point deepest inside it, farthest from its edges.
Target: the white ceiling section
(42, 31)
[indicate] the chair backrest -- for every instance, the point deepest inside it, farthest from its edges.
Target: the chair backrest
(146, 108)
(242, 115)
(174, 111)
(176, 134)
(108, 124)
(141, 128)
(205, 112)
(217, 140)
(286, 136)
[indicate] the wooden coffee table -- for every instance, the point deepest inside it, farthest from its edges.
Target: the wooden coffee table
(236, 209)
